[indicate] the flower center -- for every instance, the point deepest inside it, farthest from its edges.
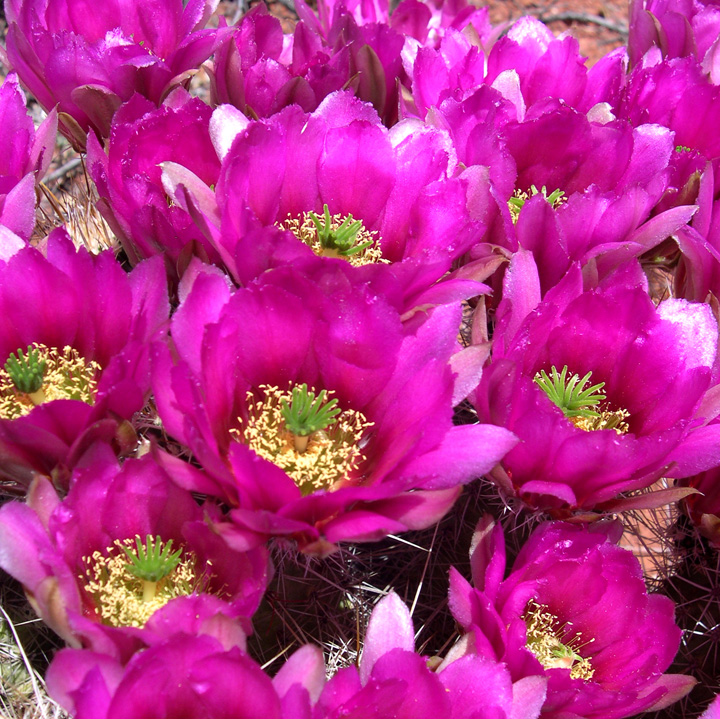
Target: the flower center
(43, 374)
(305, 434)
(133, 579)
(517, 201)
(336, 236)
(550, 644)
(583, 406)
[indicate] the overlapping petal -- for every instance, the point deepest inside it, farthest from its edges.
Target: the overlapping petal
(53, 547)
(616, 639)
(329, 334)
(618, 335)
(69, 298)
(398, 183)
(88, 60)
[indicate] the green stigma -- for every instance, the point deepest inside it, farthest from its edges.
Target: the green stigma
(343, 238)
(683, 148)
(568, 393)
(581, 404)
(305, 434)
(133, 578)
(518, 200)
(151, 561)
(26, 370)
(42, 374)
(338, 236)
(307, 413)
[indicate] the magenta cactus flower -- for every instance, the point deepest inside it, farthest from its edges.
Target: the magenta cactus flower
(364, 13)
(186, 675)
(74, 351)
(676, 29)
(549, 67)
(353, 46)
(698, 245)
(698, 267)
(88, 60)
(336, 421)
(554, 190)
(425, 24)
(574, 609)
(382, 49)
(606, 392)
(455, 69)
(588, 214)
(126, 559)
(204, 675)
(341, 186)
(528, 65)
(259, 70)
(461, 688)
(373, 47)
(129, 177)
(392, 680)
(27, 159)
(690, 104)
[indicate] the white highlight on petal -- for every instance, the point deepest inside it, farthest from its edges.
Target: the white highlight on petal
(226, 123)
(390, 627)
(697, 330)
(507, 83)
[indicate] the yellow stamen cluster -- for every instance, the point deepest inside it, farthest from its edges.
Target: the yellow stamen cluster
(305, 229)
(318, 461)
(67, 375)
(516, 207)
(124, 600)
(549, 643)
(606, 419)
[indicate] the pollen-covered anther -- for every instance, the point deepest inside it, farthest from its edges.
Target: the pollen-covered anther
(42, 374)
(123, 596)
(336, 236)
(325, 452)
(553, 645)
(606, 419)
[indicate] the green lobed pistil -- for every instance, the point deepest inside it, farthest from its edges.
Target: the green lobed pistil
(26, 370)
(307, 413)
(569, 393)
(340, 239)
(151, 562)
